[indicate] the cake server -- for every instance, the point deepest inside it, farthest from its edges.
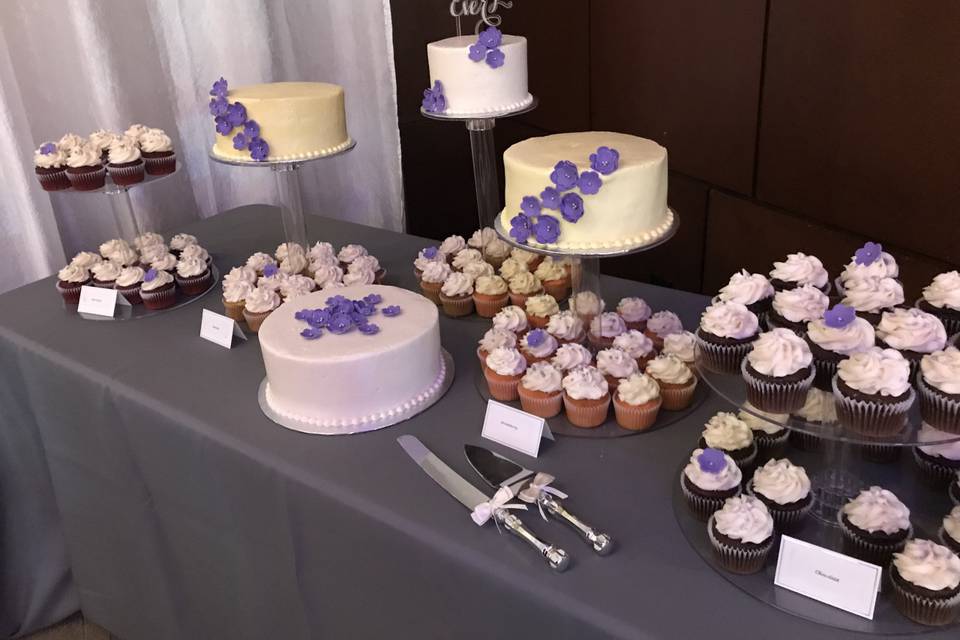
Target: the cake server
(476, 501)
(533, 487)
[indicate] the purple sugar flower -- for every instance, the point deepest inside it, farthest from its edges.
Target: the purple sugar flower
(319, 318)
(520, 228)
(270, 270)
(536, 337)
(605, 160)
(550, 198)
(218, 106)
(369, 329)
(240, 142)
(334, 301)
(490, 37)
(430, 253)
(712, 461)
(392, 311)
(530, 206)
(223, 127)
(868, 253)
(571, 207)
(433, 99)
(311, 333)
(236, 114)
(364, 308)
(259, 149)
(219, 88)
(303, 314)
(373, 299)
(251, 129)
(564, 175)
(495, 58)
(546, 229)
(840, 316)
(589, 183)
(340, 323)
(477, 52)
(150, 275)
(47, 148)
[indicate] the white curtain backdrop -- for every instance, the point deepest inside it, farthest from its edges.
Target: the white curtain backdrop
(81, 65)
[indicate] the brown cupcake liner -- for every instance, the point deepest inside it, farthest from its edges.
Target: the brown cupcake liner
(537, 322)
(195, 285)
(54, 181)
(70, 291)
(932, 612)
(869, 551)
(776, 397)
(157, 299)
(539, 405)
(502, 388)
(703, 507)
(587, 414)
(489, 306)
(741, 560)
(162, 165)
(880, 453)
(785, 519)
(954, 491)
(254, 320)
(722, 358)
(124, 175)
(132, 294)
(636, 417)
(431, 291)
(456, 307)
(556, 288)
(678, 398)
(872, 418)
(937, 411)
(88, 180)
(935, 475)
(233, 310)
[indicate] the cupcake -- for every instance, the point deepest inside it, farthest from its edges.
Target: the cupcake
(481, 237)
(511, 318)
(942, 298)
(503, 371)
(555, 279)
(676, 380)
(662, 324)
(158, 290)
(128, 284)
(49, 162)
(741, 533)
(869, 262)
(490, 294)
(538, 346)
(682, 345)
(326, 275)
(938, 386)
(86, 259)
(539, 309)
(193, 276)
(522, 286)
(258, 261)
(272, 278)
(84, 169)
(495, 339)
(105, 274)
(768, 429)
(196, 251)
(778, 371)
(604, 328)
(708, 480)
(244, 273)
(70, 280)
(480, 270)
(529, 258)
(635, 312)
(148, 239)
(636, 402)
(101, 140)
(425, 257)
(571, 356)
(838, 334)
(495, 252)
(452, 245)
(615, 365)
(870, 298)
(151, 253)
(731, 435)
(587, 305)
(124, 162)
(167, 262)
(456, 295)
(950, 533)
(913, 333)
(873, 393)
(566, 327)
(752, 290)
(112, 248)
(157, 150)
(259, 304)
(541, 390)
(798, 270)
(70, 140)
(937, 456)
(794, 308)
(235, 293)
(875, 525)
(126, 256)
(638, 346)
(465, 257)
(295, 286)
(432, 279)
(181, 241)
(785, 489)
(350, 252)
(296, 263)
(512, 267)
(819, 412)
(323, 253)
(586, 397)
(726, 332)
(926, 583)
(135, 131)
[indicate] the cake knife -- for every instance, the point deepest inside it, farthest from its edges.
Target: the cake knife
(499, 471)
(471, 497)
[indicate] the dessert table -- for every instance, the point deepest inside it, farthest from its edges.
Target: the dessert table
(135, 459)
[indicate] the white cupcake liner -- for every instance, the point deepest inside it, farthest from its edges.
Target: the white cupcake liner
(937, 411)
(702, 506)
(785, 519)
(866, 550)
(937, 475)
(776, 397)
(723, 358)
(739, 559)
(933, 612)
(871, 418)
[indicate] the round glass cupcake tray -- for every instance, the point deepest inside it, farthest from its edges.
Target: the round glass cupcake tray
(110, 187)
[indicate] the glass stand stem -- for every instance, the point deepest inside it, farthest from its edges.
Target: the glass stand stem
(835, 484)
(484, 169)
(587, 298)
(122, 207)
(291, 203)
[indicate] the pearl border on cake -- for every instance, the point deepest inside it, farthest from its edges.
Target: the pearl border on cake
(329, 151)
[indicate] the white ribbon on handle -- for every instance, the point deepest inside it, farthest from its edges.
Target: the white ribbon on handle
(540, 484)
(485, 510)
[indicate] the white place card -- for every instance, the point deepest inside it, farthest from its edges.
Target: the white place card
(830, 577)
(514, 428)
(98, 301)
(219, 329)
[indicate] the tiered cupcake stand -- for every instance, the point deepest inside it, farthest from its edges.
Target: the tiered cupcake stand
(840, 463)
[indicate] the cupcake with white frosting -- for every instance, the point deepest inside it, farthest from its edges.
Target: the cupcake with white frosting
(327, 275)
(942, 298)
(465, 257)
(604, 328)
(258, 261)
(194, 250)
(496, 251)
(70, 280)
(166, 262)
(511, 267)
(838, 334)
(571, 356)
(708, 480)
(50, 162)
(819, 412)
(522, 286)
(100, 140)
(873, 393)
(730, 434)
(425, 257)
(768, 428)
(913, 333)
(750, 289)
(480, 238)
(432, 279)
(86, 259)
(296, 263)
(926, 583)
(871, 297)
(726, 331)
(875, 525)
(778, 371)
(157, 150)
(950, 531)
(554, 276)
(478, 269)
(125, 163)
(539, 309)
(785, 489)
(151, 253)
(350, 252)
(451, 246)
(869, 262)
(355, 276)
(683, 346)
(295, 286)
(797, 270)
(937, 456)
(490, 294)
(635, 312)
(505, 367)
(538, 346)
(158, 290)
(235, 292)
(181, 241)
(741, 533)
(83, 167)
(531, 259)
(259, 304)
(193, 275)
(566, 327)
(638, 346)
(456, 295)
(495, 339)
(938, 384)
(660, 325)
(511, 318)
(586, 397)
(128, 283)
(616, 365)
(105, 274)
(541, 390)
(794, 308)
(322, 253)
(636, 402)
(147, 239)
(676, 380)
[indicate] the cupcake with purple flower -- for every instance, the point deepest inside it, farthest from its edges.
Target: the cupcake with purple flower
(432, 279)
(538, 346)
(50, 163)
(708, 480)
(158, 290)
(838, 334)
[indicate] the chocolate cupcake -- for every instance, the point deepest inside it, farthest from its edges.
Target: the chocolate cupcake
(128, 284)
(49, 163)
(751, 289)
(84, 169)
(105, 274)
(125, 163)
(158, 290)
(785, 490)
(769, 431)
(954, 490)
(938, 386)
(193, 276)
(778, 371)
(870, 298)
(727, 432)
(794, 308)
(708, 480)
(875, 525)
(797, 270)
(913, 333)
(741, 533)
(840, 333)
(870, 262)
(950, 532)
(70, 280)
(181, 241)
(942, 298)
(726, 332)
(157, 150)
(873, 393)
(937, 456)
(926, 583)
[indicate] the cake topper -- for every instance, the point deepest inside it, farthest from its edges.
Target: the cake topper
(342, 315)
(486, 9)
(840, 316)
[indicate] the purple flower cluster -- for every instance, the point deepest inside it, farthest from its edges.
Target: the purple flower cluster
(230, 115)
(487, 48)
(433, 99)
(342, 315)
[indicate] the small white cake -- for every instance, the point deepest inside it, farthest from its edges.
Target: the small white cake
(353, 382)
(474, 87)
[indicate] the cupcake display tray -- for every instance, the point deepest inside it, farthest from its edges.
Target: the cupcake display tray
(137, 311)
(111, 188)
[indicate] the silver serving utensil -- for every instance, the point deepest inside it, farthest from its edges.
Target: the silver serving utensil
(469, 496)
(499, 471)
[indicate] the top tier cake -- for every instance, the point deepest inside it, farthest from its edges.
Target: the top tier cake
(587, 191)
(279, 121)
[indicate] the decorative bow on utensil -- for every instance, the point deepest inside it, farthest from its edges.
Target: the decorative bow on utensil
(540, 484)
(485, 510)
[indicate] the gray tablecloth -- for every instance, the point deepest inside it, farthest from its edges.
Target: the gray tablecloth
(187, 514)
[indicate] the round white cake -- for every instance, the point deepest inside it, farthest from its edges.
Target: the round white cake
(475, 87)
(351, 382)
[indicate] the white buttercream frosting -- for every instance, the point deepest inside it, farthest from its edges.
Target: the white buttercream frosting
(236, 290)
(877, 509)
(350, 252)
(872, 295)
(944, 291)
(801, 269)
(122, 150)
(744, 518)
(669, 369)
(781, 481)
(951, 524)
(261, 300)
(638, 388)
(153, 252)
(543, 350)
(244, 273)
(481, 237)
(727, 432)
(571, 356)
(928, 565)
(53, 160)
(436, 272)
(682, 345)
(853, 338)
(497, 249)
(523, 255)
(746, 288)
(166, 262)
(729, 320)
(802, 304)
(550, 270)
(111, 248)
(297, 285)
(525, 283)
(820, 406)
(586, 303)
(763, 421)
(542, 376)
(489, 285)
(511, 267)
(542, 306)
(125, 256)
(136, 130)
(86, 259)
(496, 338)
(607, 325)
(106, 271)
(83, 155)
(160, 280)
(506, 361)
(323, 252)
(876, 371)
(565, 325)
(585, 383)
(466, 256)
(948, 450)
(941, 370)
(616, 363)
(359, 276)
(294, 263)
(663, 323)
(181, 240)
(189, 267)
(779, 353)
(327, 274)
(273, 282)
(511, 318)
(73, 273)
(725, 479)
(885, 266)
(155, 141)
(912, 330)
(194, 250)
(257, 261)
(130, 276)
(635, 343)
(456, 285)
(478, 269)
(634, 309)
(452, 244)
(147, 239)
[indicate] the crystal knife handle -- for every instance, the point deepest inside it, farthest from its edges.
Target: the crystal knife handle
(601, 543)
(556, 557)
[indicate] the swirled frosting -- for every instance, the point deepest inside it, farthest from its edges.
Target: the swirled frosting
(327, 274)
(801, 269)
(479, 269)
(542, 376)
(944, 291)
(130, 276)
(497, 249)
(153, 252)
(70, 140)
(323, 253)
(638, 388)
(523, 255)
(136, 130)
(106, 271)
(744, 518)
(125, 256)
(681, 345)
(195, 251)
(883, 267)
(525, 283)
(189, 267)
(452, 245)
(53, 160)
(565, 325)
(635, 343)
(511, 318)
(876, 371)
(727, 432)
(727, 478)
(245, 274)
(285, 249)
(511, 267)
(123, 150)
(294, 263)
(746, 288)
(481, 237)
(571, 356)
(729, 320)
(236, 290)
(111, 248)
(586, 303)
(465, 257)
(490, 285)
(359, 276)
(951, 524)
(877, 509)
(257, 261)
(155, 141)
(147, 239)
(166, 262)
(83, 155)
(779, 353)
(781, 481)
(297, 286)
(436, 272)
(496, 338)
(262, 300)
(550, 270)
(634, 309)
(457, 285)
(181, 241)
(506, 361)
(853, 338)
(101, 139)
(86, 259)
(763, 421)
(669, 369)
(803, 304)
(350, 252)
(73, 273)
(544, 349)
(941, 370)
(820, 406)
(912, 330)
(273, 282)
(948, 450)
(607, 325)
(873, 294)
(663, 323)
(928, 565)
(616, 363)
(585, 383)
(160, 280)
(542, 306)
